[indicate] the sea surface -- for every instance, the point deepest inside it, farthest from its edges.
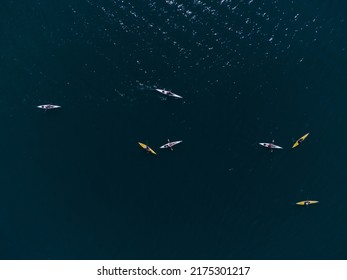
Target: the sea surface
(74, 183)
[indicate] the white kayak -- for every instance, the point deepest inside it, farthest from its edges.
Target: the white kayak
(48, 106)
(168, 93)
(270, 146)
(170, 144)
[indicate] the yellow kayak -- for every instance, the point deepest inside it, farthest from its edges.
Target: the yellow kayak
(298, 142)
(307, 202)
(147, 148)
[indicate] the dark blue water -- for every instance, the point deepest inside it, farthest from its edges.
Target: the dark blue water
(75, 184)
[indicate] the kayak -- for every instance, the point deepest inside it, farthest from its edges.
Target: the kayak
(298, 142)
(168, 93)
(147, 148)
(48, 106)
(170, 144)
(270, 146)
(307, 202)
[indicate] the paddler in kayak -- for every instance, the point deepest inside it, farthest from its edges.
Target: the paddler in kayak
(271, 146)
(169, 145)
(300, 140)
(147, 148)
